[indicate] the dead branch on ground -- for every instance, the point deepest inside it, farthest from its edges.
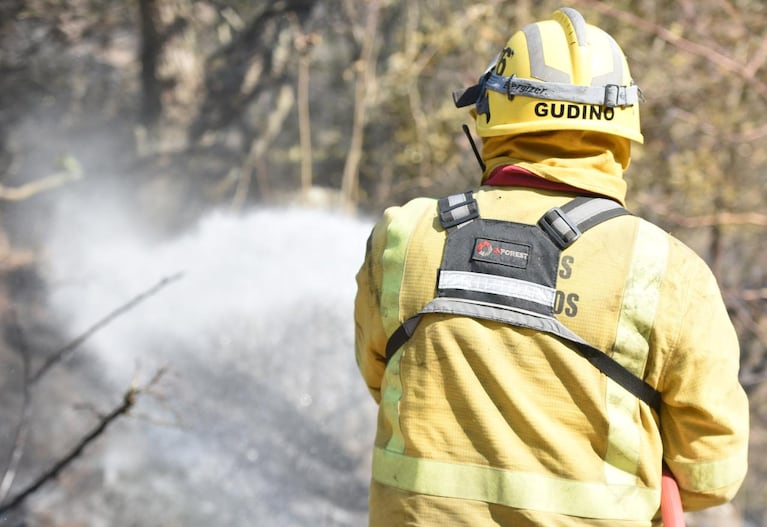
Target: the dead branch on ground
(128, 401)
(28, 379)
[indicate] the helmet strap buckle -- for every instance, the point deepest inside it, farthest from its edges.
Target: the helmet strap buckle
(509, 84)
(615, 95)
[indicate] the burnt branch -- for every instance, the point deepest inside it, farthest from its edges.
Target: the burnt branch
(128, 401)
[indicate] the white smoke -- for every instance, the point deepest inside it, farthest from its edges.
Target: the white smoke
(270, 422)
(236, 269)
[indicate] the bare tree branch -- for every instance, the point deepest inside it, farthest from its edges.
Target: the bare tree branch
(20, 439)
(751, 295)
(746, 71)
(365, 70)
(128, 401)
(285, 100)
(60, 354)
(757, 61)
(304, 44)
(19, 443)
(718, 219)
(708, 128)
(71, 172)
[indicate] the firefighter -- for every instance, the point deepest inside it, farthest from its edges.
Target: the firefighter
(538, 354)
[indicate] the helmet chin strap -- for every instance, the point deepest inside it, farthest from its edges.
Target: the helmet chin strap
(470, 95)
(474, 147)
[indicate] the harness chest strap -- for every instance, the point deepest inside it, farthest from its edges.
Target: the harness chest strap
(563, 225)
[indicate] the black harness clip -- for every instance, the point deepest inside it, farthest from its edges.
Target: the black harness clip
(560, 227)
(457, 209)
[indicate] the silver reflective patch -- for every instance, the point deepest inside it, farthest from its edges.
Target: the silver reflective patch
(538, 67)
(499, 285)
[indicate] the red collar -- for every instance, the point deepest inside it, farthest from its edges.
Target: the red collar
(516, 176)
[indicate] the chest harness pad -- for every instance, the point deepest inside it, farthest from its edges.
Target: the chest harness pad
(506, 272)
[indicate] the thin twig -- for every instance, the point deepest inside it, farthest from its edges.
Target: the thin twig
(128, 401)
(20, 440)
(745, 71)
(71, 171)
(755, 219)
(711, 130)
(718, 219)
(754, 294)
(78, 341)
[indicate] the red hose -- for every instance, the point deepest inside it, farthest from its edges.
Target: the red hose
(671, 510)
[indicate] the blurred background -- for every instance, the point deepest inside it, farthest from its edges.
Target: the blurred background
(186, 188)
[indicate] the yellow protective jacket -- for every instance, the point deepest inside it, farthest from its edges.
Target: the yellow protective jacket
(481, 423)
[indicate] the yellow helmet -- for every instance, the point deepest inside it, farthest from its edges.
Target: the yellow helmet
(559, 74)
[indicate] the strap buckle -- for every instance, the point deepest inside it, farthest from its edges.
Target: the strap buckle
(562, 230)
(613, 96)
(457, 209)
(616, 95)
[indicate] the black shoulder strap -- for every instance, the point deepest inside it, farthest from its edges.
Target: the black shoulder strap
(599, 359)
(618, 373)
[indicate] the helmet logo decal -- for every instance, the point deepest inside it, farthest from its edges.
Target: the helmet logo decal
(503, 253)
(500, 66)
(526, 89)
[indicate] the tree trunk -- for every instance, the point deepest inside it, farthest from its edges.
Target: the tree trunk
(151, 45)
(365, 75)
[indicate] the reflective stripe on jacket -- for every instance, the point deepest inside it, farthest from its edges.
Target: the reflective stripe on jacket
(481, 423)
